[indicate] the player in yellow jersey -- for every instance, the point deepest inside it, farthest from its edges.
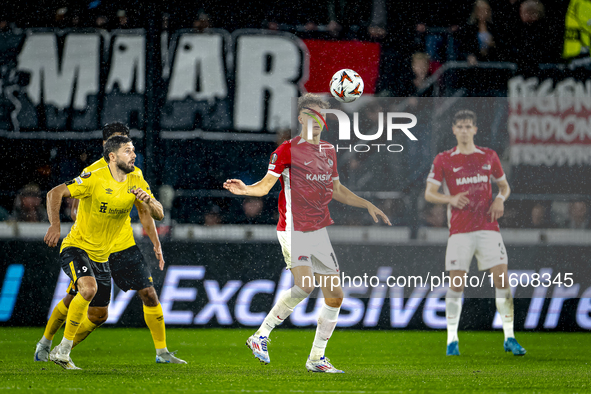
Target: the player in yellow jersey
(129, 270)
(106, 195)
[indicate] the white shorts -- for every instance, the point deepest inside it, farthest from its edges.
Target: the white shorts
(487, 246)
(309, 249)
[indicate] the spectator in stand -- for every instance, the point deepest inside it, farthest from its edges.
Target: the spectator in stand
(421, 70)
(578, 215)
(4, 25)
(435, 215)
(477, 37)
(531, 41)
(201, 23)
(213, 218)
(59, 19)
(28, 205)
(252, 209)
(394, 25)
(122, 21)
(540, 217)
(101, 21)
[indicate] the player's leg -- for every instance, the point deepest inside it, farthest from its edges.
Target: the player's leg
(327, 321)
(98, 310)
(504, 303)
(154, 318)
(87, 288)
(288, 300)
(453, 311)
(131, 272)
(492, 255)
(326, 269)
(300, 265)
(458, 256)
(56, 320)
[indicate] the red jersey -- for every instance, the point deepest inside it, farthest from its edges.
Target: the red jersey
(306, 173)
(472, 173)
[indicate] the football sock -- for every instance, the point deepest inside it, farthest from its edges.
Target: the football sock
(76, 314)
(288, 300)
(86, 327)
(453, 310)
(504, 301)
(57, 318)
(327, 321)
(154, 318)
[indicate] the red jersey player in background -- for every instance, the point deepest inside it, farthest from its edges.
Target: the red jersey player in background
(466, 173)
(307, 169)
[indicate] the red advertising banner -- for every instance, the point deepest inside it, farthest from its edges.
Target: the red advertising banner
(328, 57)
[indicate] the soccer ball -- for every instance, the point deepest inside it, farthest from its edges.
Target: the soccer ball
(346, 85)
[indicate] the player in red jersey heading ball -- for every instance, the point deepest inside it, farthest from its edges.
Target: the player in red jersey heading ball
(307, 169)
(466, 173)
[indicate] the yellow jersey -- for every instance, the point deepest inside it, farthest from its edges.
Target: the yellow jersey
(577, 34)
(103, 211)
(125, 239)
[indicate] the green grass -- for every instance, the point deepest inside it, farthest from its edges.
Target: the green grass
(122, 361)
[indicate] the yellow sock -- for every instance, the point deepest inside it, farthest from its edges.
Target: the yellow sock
(155, 321)
(86, 327)
(57, 318)
(76, 314)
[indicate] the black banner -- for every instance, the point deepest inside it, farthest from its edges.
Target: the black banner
(78, 80)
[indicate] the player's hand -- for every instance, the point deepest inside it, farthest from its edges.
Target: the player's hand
(141, 195)
(375, 212)
(235, 186)
(459, 200)
(496, 210)
(159, 257)
(52, 236)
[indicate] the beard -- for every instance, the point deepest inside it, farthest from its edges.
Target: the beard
(126, 168)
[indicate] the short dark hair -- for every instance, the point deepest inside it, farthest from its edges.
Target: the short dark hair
(464, 114)
(311, 99)
(114, 128)
(113, 144)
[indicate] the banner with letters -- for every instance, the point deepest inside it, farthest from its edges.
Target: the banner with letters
(549, 126)
(78, 80)
(220, 284)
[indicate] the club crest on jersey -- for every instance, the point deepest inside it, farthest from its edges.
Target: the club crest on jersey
(273, 158)
(472, 179)
(330, 162)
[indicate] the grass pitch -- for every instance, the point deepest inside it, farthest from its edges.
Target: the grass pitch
(122, 361)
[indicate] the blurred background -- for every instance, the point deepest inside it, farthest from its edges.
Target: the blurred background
(207, 89)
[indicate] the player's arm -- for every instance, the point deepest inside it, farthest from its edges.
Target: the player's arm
(150, 228)
(54, 203)
(259, 189)
(347, 197)
(497, 208)
(433, 196)
(153, 205)
(74, 209)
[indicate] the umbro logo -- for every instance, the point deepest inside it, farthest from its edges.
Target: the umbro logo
(109, 191)
(457, 169)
